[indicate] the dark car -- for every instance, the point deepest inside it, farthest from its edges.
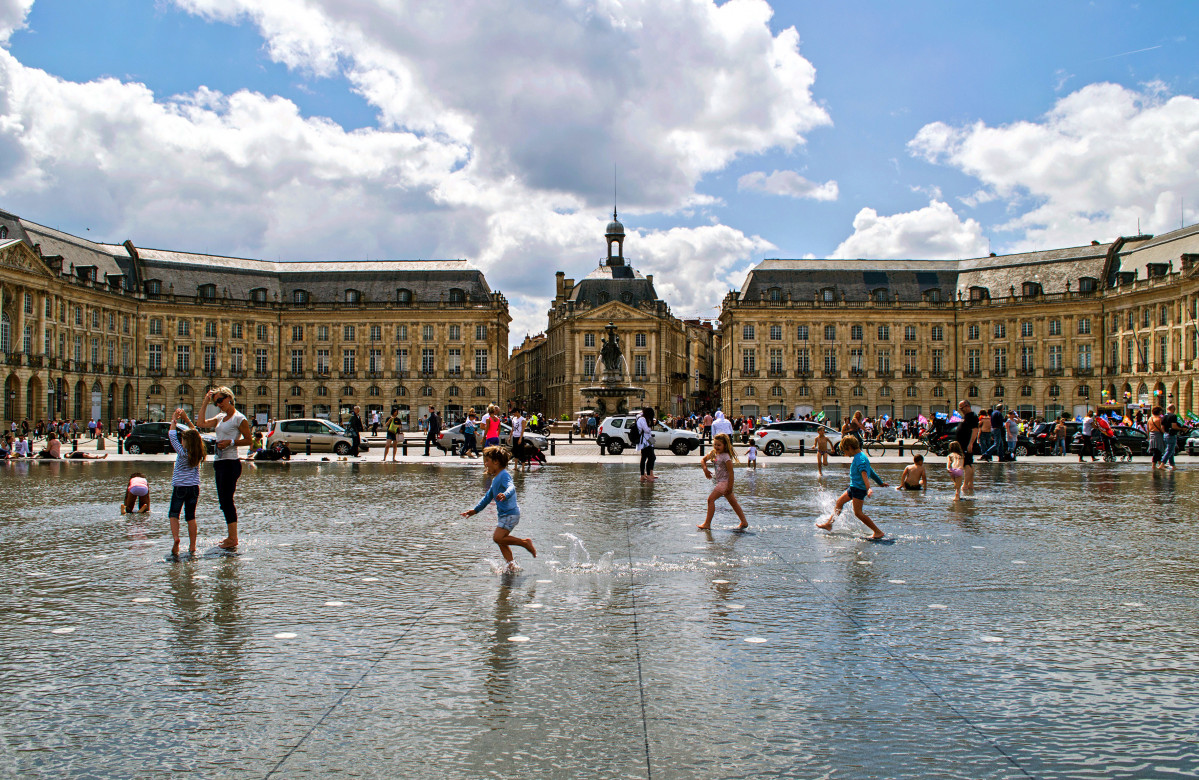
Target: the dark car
(1040, 435)
(150, 438)
(1134, 439)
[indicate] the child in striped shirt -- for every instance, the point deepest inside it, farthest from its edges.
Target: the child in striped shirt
(185, 480)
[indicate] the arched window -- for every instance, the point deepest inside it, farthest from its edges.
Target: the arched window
(375, 391)
(322, 391)
(258, 295)
(480, 392)
(297, 391)
(1054, 391)
(426, 391)
(933, 295)
(938, 392)
(207, 292)
(155, 390)
(1031, 289)
(1087, 284)
(183, 391)
(858, 391)
(457, 295)
(884, 392)
(299, 297)
(830, 391)
(401, 391)
(999, 391)
(776, 392)
(263, 391)
(912, 392)
(972, 391)
(1084, 391)
(602, 297)
(627, 297)
(776, 293)
(828, 294)
(403, 296)
(3, 232)
(453, 391)
(353, 296)
(347, 390)
(1026, 391)
(749, 391)
(879, 295)
(238, 391)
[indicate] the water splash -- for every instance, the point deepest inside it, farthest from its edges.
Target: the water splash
(578, 551)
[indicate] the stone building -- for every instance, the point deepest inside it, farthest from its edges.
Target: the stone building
(654, 341)
(1037, 332)
(108, 331)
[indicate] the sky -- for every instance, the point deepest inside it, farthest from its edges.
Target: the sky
(503, 132)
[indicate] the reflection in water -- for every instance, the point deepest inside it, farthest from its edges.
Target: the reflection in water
(500, 664)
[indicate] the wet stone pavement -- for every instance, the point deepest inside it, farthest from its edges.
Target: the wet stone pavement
(1046, 628)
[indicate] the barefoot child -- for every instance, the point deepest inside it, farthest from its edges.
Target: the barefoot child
(914, 477)
(859, 470)
(823, 445)
(722, 457)
(495, 463)
(751, 455)
(185, 480)
(956, 466)
(137, 491)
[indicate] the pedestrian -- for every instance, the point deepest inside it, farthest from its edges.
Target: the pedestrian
(1088, 427)
(1000, 441)
(823, 446)
(723, 456)
(1172, 428)
(955, 465)
(432, 429)
(1013, 433)
(966, 436)
(232, 431)
(859, 490)
(393, 433)
(374, 422)
(495, 465)
(720, 424)
(751, 455)
(137, 491)
(356, 430)
(469, 430)
(518, 428)
(185, 479)
(1157, 437)
(1059, 436)
(986, 438)
(645, 444)
(708, 420)
(491, 427)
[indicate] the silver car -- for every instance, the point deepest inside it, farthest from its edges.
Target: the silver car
(451, 439)
(326, 436)
(779, 437)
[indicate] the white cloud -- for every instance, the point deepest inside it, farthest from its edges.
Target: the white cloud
(1103, 157)
(788, 183)
(934, 232)
(12, 16)
(498, 128)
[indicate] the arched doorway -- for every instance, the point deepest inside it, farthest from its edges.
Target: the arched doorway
(1187, 402)
(33, 392)
(80, 392)
(127, 403)
(12, 397)
(112, 403)
(97, 401)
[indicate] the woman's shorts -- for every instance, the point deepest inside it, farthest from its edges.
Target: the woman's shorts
(492, 441)
(857, 493)
(391, 436)
(508, 522)
(184, 497)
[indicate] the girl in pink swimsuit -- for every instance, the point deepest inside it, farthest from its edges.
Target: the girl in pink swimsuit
(956, 468)
(722, 457)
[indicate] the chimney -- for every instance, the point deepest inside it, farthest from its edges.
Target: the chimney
(559, 279)
(650, 278)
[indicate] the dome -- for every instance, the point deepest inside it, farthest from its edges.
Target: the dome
(614, 227)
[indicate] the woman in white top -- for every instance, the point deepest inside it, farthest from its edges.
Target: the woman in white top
(232, 431)
(645, 444)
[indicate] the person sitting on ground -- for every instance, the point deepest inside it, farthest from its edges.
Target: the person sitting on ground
(138, 490)
(279, 451)
(21, 448)
(255, 445)
(80, 455)
(53, 449)
(914, 477)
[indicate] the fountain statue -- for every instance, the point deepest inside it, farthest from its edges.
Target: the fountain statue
(612, 388)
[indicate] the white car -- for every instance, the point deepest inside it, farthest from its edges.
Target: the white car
(779, 437)
(616, 433)
(451, 439)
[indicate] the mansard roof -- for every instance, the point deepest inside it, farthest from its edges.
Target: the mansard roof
(1166, 249)
(613, 283)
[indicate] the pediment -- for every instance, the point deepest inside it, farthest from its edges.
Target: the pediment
(616, 311)
(17, 255)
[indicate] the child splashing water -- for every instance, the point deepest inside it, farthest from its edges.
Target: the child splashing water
(859, 470)
(722, 457)
(956, 466)
(185, 480)
(495, 463)
(136, 492)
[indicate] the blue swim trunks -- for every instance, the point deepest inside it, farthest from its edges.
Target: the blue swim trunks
(508, 522)
(857, 493)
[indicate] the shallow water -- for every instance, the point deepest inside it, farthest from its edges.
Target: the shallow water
(1046, 628)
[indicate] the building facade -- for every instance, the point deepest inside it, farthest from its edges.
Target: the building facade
(556, 367)
(103, 331)
(1043, 332)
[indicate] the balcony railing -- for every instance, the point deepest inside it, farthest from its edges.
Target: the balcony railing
(347, 374)
(857, 372)
(487, 374)
(777, 373)
(998, 372)
(804, 374)
(262, 374)
(911, 372)
(830, 373)
(937, 373)
(975, 374)
(156, 371)
(401, 374)
(13, 359)
(1054, 372)
(748, 374)
(1026, 372)
(1084, 372)
(183, 372)
(374, 374)
(34, 361)
(239, 373)
(884, 374)
(295, 374)
(128, 371)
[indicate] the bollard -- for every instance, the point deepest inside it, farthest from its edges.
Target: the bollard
(901, 448)
(553, 447)
(404, 444)
(75, 444)
(802, 444)
(454, 448)
(120, 445)
(99, 443)
(701, 448)
(570, 436)
(603, 449)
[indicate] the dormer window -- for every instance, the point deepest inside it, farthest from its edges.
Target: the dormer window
(602, 297)
(776, 293)
(353, 296)
(403, 296)
(627, 297)
(457, 295)
(1088, 284)
(1156, 270)
(933, 295)
(208, 292)
(1031, 289)
(299, 297)
(828, 295)
(879, 295)
(86, 273)
(153, 287)
(980, 294)
(258, 295)
(3, 232)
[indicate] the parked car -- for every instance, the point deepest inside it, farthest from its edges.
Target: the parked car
(451, 439)
(1040, 435)
(1192, 442)
(1132, 438)
(326, 436)
(778, 437)
(616, 433)
(150, 438)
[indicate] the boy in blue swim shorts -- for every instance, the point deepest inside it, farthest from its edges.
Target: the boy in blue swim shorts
(859, 470)
(495, 463)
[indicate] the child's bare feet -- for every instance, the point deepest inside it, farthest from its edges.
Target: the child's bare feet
(704, 527)
(228, 544)
(191, 551)
(827, 525)
(741, 527)
(532, 549)
(175, 548)
(122, 509)
(876, 537)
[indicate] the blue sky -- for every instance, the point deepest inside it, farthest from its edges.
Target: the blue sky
(490, 130)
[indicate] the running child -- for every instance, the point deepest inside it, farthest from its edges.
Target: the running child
(914, 477)
(185, 480)
(751, 455)
(859, 470)
(137, 491)
(722, 457)
(823, 447)
(956, 466)
(495, 464)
